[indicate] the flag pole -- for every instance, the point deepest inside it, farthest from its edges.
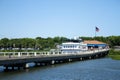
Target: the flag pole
(95, 32)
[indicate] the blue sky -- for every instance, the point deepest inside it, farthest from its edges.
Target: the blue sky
(67, 18)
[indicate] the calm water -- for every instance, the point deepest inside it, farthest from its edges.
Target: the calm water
(98, 69)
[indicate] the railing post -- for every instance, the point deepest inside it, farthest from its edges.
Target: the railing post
(35, 54)
(4, 54)
(48, 53)
(53, 52)
(27, 53)
(19, 54)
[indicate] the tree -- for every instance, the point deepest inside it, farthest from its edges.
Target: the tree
(4, 43)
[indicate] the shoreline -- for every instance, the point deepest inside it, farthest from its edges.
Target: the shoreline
(114, 54)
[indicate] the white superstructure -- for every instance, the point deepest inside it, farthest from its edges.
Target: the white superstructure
(73, 47)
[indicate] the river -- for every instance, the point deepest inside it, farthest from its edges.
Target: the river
(97, 69)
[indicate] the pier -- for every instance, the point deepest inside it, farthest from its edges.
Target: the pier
(13, 60)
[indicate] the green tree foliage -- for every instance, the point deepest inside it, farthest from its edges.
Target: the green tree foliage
(4, 43)
(86, 38)
(40, 43)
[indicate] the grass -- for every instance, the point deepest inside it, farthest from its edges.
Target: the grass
(114, 54)
(115, 57)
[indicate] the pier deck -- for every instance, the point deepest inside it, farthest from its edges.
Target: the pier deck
(20, 59)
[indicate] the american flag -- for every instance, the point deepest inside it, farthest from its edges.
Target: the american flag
(96, 29)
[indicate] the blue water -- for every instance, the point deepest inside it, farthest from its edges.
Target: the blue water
(97, 69)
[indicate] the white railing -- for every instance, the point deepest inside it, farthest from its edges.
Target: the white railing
(45, 53)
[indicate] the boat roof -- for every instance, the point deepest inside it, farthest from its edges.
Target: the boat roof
(93, 42)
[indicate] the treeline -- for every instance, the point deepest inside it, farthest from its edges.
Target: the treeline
(40, 43)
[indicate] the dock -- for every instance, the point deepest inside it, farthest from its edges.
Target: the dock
(21, 59)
